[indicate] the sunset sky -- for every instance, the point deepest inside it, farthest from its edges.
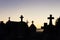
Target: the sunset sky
(36, 10)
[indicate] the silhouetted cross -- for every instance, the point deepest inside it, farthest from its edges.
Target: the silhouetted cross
(50, 23)
(21, 17)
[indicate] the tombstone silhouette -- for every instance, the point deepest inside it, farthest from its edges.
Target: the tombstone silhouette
(45, 27)
(50, 18)
(32, 27)
(50, 26)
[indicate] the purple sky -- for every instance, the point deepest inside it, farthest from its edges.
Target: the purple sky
(37, 10)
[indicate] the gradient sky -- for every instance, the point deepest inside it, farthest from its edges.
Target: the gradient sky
(37, 10)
